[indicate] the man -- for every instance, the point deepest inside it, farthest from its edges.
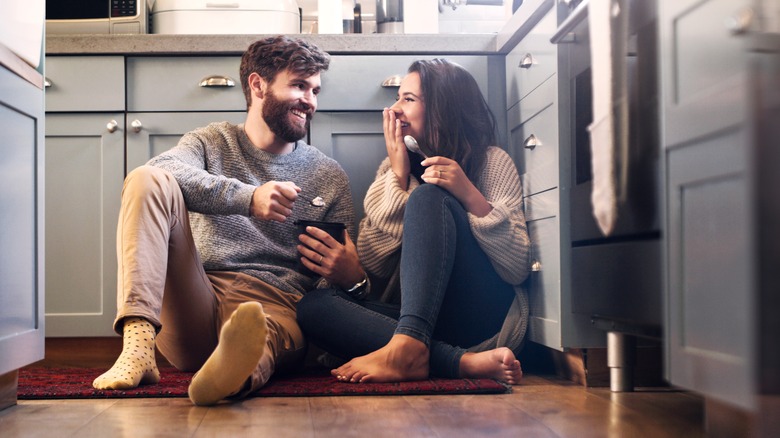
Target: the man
(208, 254)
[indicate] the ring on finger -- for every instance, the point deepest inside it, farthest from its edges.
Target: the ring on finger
(439, 173)
(321, 258)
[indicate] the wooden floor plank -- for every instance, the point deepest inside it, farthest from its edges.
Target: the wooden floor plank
(259, 417)
(48, 418)
(161, 417)
(367, 416)
(584, 412)
(477, 415)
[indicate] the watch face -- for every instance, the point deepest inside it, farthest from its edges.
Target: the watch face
(360, 290)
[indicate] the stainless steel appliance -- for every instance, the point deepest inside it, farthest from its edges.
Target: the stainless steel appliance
(616, 278)
(390, 16)
(97, 16)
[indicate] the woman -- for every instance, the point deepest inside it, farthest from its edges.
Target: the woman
(453, 226)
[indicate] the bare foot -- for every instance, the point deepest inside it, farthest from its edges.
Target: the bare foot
(403, 358)
(499, 364)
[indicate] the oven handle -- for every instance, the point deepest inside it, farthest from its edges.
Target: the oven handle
(564, 32)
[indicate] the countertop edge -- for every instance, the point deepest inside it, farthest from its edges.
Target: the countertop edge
(363, 44)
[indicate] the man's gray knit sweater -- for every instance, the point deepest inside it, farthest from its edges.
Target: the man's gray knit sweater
(218, 169)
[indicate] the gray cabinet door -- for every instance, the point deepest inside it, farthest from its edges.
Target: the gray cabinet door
(710, 250)
(84, 174)
(357, 142)
(21, 236)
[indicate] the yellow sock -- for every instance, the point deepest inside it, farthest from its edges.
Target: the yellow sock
(241, 345)
(136, 364)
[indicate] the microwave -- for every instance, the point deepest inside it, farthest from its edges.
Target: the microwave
(97, 16)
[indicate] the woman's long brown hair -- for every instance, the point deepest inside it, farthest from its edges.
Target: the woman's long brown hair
(458, 122)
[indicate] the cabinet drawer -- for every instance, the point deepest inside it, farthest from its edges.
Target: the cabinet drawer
(535, 122)
(355, 82)
(541, 205)
(176, 84)
(533, 60)
(85, 83)
(545, 279)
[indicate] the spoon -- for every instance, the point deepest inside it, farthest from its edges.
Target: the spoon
(412, 145)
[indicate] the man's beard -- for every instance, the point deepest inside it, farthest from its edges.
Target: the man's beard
(277, 116)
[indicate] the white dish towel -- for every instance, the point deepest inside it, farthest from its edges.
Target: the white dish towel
(608, 24)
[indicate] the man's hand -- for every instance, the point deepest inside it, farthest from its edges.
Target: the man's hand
(273, 201)
(324, 255)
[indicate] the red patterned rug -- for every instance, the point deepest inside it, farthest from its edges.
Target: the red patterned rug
(69, 383)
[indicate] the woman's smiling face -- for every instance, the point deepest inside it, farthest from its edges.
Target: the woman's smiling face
(409, 107)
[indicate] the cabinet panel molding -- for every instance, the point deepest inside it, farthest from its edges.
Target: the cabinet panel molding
(86, 160)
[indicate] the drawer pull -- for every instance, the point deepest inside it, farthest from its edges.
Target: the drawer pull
(527, 61)
(47, 83)
(137, 125)
(531, 142)
(217, 82)
(392, 81)
(739, 23)
(112, 126)
(536, 266)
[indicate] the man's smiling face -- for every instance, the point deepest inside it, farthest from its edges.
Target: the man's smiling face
(289, 104)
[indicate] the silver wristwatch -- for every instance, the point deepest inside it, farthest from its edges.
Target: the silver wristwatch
(359, 290)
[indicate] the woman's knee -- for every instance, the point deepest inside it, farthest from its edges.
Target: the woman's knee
(429, 198)
(425, 195)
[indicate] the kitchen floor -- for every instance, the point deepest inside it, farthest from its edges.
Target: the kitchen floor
(541, 406)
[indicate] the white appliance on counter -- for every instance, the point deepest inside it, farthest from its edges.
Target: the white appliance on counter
(225, 17)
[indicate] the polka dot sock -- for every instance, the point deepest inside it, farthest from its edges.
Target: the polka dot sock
(136, 364)
(241, 345)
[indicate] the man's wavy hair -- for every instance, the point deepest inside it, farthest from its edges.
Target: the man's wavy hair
(458, 122)
(269, 56)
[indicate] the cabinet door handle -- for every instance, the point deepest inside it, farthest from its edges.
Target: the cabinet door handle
(392, 81)
(531, 142)
(47, 83)
(112, 126)
(739, 23)
(137, 125)
(216, 81)
(527, 61)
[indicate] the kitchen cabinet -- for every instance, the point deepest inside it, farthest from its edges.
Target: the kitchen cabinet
(85, 137)
(583, 282)
(170, 96)
(91, 141)
(84, 167)
(21, 221)
(720, 130)
(537, 99)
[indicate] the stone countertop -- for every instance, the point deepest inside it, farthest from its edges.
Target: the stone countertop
(363, 44)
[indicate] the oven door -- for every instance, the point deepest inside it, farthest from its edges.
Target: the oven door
(616, 276)
(638, 211)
